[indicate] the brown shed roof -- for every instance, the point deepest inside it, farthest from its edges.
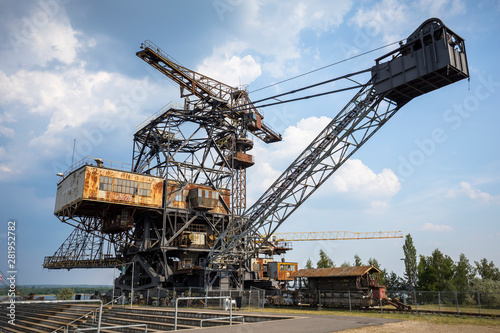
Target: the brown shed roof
(335, 271)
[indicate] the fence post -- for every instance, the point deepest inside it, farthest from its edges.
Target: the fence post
(380, 304)
(249, 298)
(206, 295)
(350, 308)
(456, 300)
(415, 299)
(258, 298)
(479, 302)
(439, 300)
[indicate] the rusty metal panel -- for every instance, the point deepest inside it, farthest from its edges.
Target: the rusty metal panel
(336, 271)
(282, 271)
(182, 199)
(93, 191)
(70, 190)
(203, 198)
(128, 188)
(243, 160)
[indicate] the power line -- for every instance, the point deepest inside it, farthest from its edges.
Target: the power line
(252, 105)
(311, 86)
(321, 68)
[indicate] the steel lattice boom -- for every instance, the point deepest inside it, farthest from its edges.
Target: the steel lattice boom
(332, 235)
(432, 57)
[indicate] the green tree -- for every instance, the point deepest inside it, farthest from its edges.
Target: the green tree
(357, 260)
(488, 292)
(463, 275)
(435, 272)
(382, 278)
(309, 264)
(346, 264)
(487, 270)
(373, 262)
(324, 260)
(394, 282)
(410, 253)
(65, 294)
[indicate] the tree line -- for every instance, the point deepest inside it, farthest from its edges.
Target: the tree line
(437, 272)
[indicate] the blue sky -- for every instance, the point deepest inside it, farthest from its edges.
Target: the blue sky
(69, 70)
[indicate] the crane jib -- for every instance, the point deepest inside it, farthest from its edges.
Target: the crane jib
(432, 57)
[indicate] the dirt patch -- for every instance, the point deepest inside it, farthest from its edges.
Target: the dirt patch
(419, 326)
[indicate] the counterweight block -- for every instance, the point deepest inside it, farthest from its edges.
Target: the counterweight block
(432, 57)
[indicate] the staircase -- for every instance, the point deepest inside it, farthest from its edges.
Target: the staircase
(47, 317)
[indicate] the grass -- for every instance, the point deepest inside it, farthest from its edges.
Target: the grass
(435, 319)
(462, 309)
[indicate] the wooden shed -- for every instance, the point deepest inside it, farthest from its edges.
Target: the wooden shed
(339, 278)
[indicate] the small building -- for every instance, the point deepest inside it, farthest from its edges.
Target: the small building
(338, 278)
(339, 286)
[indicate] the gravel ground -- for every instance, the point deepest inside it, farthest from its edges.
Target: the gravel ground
(418, 326)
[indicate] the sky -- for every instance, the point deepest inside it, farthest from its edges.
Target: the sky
(68, 71)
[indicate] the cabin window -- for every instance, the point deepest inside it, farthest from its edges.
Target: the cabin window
(145, 189)
(105, 183)
(125, 186)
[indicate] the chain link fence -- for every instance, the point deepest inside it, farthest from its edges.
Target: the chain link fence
(253, 298)
(450, 301)
(439, 301)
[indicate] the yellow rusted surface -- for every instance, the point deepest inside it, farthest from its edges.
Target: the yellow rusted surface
(92, 191)
(179, 199)
(84, 185)
(285, 269)
(336, 271)
(92, 184)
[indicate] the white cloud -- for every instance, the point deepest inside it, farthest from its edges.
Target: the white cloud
(272, 30)
(225, 66)
(356, 178)
(475, 194)
(298, 137)
(390, 18)
(59, 105)
(38, 43)
(438, 8)
(436, 227)
(6, 131)
(384, 18)
(353, 178)
(53, 98)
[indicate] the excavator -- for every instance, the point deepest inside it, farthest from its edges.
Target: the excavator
(178, 216)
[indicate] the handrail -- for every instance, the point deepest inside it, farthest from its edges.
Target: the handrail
(66, 327)
(156, 115)
(149, 44)
(87, 160)
(205, 298)
(113, 327)
(222, 318)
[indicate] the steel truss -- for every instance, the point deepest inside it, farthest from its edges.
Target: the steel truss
(342, 137)
(87, 247)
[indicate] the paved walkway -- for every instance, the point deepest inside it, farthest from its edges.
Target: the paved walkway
(300, 323)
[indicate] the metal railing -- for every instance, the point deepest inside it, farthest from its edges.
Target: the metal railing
(110, 327)
(92, 313)
(223, 318)
(226, 298)
(87, 160)
(171, 105)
